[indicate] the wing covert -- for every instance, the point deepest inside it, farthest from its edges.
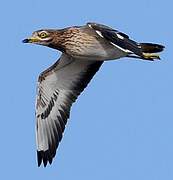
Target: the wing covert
(118, 39)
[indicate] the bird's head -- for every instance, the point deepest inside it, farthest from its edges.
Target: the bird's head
(42, 37)
(60, 39)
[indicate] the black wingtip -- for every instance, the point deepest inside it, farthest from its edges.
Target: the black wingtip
(39, 158)
(45, 162)
(45, 157)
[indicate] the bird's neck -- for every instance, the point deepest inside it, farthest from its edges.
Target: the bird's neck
(62, 38)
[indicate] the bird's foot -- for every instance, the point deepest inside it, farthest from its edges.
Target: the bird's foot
(150, 56)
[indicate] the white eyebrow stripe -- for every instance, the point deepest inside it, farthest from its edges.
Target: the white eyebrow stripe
(43, 31)
(99, 33)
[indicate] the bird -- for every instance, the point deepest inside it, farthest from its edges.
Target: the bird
(84, 50)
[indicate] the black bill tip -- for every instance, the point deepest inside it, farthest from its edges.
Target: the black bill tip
(25, 41)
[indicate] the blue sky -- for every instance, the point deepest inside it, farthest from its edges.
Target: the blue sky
(121, 127)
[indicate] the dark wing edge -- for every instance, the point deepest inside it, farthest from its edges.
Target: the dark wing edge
(54, 102)
(102, 27)
(118, 39)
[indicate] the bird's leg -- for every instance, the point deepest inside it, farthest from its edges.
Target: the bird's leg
(146, 56)
(151, 56)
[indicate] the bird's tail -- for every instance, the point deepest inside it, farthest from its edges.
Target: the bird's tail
(150, 50)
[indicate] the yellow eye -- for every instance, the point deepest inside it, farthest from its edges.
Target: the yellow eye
(43, 35)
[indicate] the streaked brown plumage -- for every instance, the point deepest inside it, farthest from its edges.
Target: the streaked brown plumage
(84, 49)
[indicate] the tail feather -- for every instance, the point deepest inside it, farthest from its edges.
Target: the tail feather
(151, 48)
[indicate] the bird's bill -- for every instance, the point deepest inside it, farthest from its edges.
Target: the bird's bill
(30, 40)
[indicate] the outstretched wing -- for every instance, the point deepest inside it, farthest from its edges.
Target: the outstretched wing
(116, 38)
(58, 88)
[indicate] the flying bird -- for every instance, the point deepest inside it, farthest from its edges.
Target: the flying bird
(84, 49)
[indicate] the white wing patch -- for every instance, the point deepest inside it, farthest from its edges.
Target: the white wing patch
(119, 36)
(89, 26)
(99, 33)
(122, 49)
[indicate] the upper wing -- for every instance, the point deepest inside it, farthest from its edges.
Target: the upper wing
(118, 39)
(58, 88)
